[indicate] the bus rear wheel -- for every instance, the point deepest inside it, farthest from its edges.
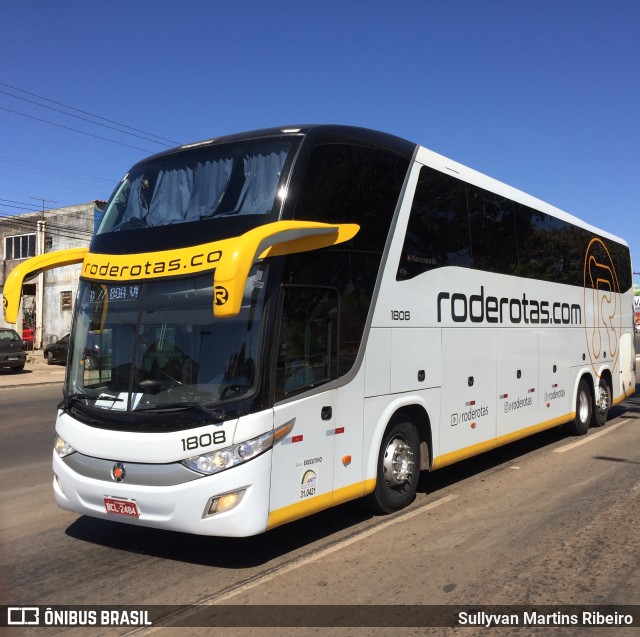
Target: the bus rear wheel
(398, 467)
(602, 404)
(584, 410)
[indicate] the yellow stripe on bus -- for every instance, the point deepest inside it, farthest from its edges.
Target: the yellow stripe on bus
(319, 503)
(629, 392)
(333, 498)
(481, 447)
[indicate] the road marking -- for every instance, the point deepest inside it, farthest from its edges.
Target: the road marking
(262, 578)
(592, 437)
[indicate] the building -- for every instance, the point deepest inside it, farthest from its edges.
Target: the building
(47, 298)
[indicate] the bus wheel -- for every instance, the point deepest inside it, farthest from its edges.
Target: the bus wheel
(602, 404)
(584, 408)
(398, 467)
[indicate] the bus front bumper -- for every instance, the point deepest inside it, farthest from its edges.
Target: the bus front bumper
(181, 507)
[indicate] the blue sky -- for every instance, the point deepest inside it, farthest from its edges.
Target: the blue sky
(543, 95)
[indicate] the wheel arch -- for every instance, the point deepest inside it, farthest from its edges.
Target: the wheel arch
(416, 411)
(608, 377)
(418, 415)
(586, 375)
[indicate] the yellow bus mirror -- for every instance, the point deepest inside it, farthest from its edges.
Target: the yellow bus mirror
(13, 285)
(274, 239)
(232, 259)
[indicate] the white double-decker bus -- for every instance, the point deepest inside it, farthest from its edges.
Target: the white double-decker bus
(289, 319)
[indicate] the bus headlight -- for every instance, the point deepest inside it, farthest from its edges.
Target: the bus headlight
(62, 447)
(222, 459)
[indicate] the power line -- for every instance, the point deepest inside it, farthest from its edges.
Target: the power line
(21, 205)
(45, 168)
(12, 174)
(16, 178)
(59, 231)
(39, 119)
(104, 119)
(15, 169)
(85, 119)
(19, 220)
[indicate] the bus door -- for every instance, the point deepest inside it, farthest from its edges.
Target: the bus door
(302, 471)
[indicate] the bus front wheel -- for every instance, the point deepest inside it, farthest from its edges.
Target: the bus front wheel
(398, 467)
(584, 410)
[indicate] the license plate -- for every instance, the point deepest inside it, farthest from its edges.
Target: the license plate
(12, 358)
(121, 507)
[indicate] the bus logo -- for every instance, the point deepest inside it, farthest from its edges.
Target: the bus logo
(220, 295)
(118, 472)
(603, 319)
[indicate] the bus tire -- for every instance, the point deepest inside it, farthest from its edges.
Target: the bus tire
(584, 410)
(398, 467)
(601, 403)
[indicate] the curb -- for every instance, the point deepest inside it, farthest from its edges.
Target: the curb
(36, 384)
(37, 373)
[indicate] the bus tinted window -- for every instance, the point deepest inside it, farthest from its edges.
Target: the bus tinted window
(307, 349)
(493, 232)
(206, 183)
(622, 259)
(352, 184)
(438, 231)
(550, 249)
(348, 184)
(454, 223)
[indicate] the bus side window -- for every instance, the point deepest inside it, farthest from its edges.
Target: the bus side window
(493, 232)
(438, 230)
(308, 343)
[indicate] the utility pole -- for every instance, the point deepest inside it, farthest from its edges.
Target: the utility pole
(42, 199)
(40, 245)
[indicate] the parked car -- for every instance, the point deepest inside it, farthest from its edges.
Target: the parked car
(12, 352)
(93, 352)
(57, 351)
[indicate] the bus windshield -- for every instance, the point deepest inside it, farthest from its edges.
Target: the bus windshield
(156, 345)
(211, 181)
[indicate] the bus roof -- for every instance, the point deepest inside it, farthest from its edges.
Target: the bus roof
(335, 132)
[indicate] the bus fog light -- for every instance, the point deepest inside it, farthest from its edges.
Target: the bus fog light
(62, 448)
(221, 503)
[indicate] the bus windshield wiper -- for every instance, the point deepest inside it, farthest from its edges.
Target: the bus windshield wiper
(115, 399)
(215, 413)
(71, 399)
(81, 397)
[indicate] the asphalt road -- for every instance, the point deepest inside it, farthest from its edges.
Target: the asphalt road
(548, 520)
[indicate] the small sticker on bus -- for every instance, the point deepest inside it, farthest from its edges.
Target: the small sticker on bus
(308, 484)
